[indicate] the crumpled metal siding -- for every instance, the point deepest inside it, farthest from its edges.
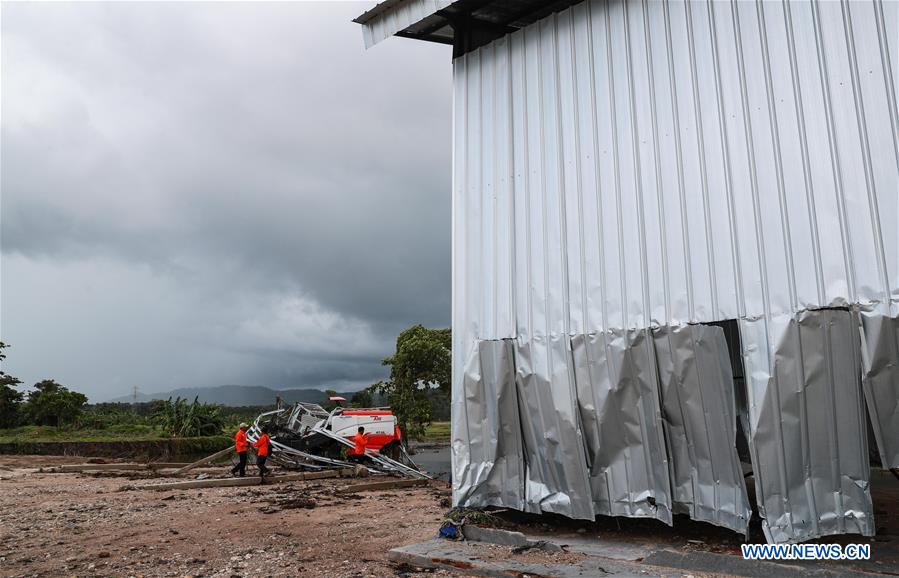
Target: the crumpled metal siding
(808, 434)
(700, 418)
(631, 165)
(492, 471)
(556, 478)
(880, 352)
(618, 398)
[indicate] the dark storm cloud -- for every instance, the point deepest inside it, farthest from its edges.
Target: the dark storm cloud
(195, 194)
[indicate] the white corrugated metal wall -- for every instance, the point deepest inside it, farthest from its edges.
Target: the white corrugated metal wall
(624, 165)
(676, 162)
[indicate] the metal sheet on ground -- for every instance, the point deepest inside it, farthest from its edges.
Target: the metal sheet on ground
(808, 437)
(699, 416)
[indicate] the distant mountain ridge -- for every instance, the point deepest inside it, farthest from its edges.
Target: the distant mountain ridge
(235, 395)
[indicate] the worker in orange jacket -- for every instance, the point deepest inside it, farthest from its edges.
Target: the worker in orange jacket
(240, 446)
(357, 453)
(263, 447)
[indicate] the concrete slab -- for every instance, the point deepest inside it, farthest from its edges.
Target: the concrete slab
(500, 555)
(473, 559)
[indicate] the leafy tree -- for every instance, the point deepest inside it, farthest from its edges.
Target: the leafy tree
(362, 398)
(10, 398)
(52, 404)
(180, 419)
(421, 363)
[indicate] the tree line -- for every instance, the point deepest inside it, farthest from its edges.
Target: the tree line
(417, 390)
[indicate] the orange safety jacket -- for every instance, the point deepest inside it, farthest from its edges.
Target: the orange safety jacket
(359, 447)
(240, 441)
(262, 445)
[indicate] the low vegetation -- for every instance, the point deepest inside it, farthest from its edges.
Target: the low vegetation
(437, 432)
(417, 391)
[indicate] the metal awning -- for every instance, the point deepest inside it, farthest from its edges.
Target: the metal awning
(465, 24)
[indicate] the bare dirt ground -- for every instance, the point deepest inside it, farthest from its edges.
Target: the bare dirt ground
(83, 525)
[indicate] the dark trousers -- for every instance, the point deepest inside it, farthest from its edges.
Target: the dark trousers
(357, 458)
(241, 467)
(260, 461)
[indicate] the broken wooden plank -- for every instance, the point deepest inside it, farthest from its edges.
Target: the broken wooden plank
(389, 485)
(248, 481)
(69, 468)
(205, 460)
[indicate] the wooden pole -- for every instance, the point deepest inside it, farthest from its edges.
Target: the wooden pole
(248, 481)
(69, 468)
(382, 486)
(205, 460)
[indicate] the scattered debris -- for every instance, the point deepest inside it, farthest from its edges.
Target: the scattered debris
(306, 436)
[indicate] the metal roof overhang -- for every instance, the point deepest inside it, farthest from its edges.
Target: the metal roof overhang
(465, 24)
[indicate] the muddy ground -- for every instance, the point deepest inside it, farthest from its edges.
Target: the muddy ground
(87, 525)
(83, 525)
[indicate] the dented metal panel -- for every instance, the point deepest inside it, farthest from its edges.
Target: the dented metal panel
(493, 472)
(556, 478)
(880, 355)
(700, 419)
(618, 398)
(808, 435)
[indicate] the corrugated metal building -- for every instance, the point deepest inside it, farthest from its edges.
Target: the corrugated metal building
(674, 223)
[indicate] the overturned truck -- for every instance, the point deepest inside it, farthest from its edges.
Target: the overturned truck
(674, 234)
(306, 436)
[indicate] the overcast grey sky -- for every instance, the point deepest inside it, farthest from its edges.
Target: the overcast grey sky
(217, 193)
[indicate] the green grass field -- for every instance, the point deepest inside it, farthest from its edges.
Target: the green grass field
(35, 433)
(438, 431)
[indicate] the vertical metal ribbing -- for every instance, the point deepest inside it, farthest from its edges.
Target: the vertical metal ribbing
(804, 148)
(578, 178)
(805, 440)
(560, 160)
(835, 155)
(871, 187)
(700, 134)
(616, 169)
(760, 239)
(884, 40)
(728, 169)
(598, 168)
(663, 235)
(494, 305)
(679, 152)
(638, 181)
(835, 465)
(513, 233)
(778, 158)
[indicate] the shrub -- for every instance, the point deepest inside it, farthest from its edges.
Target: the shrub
(181, 419)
